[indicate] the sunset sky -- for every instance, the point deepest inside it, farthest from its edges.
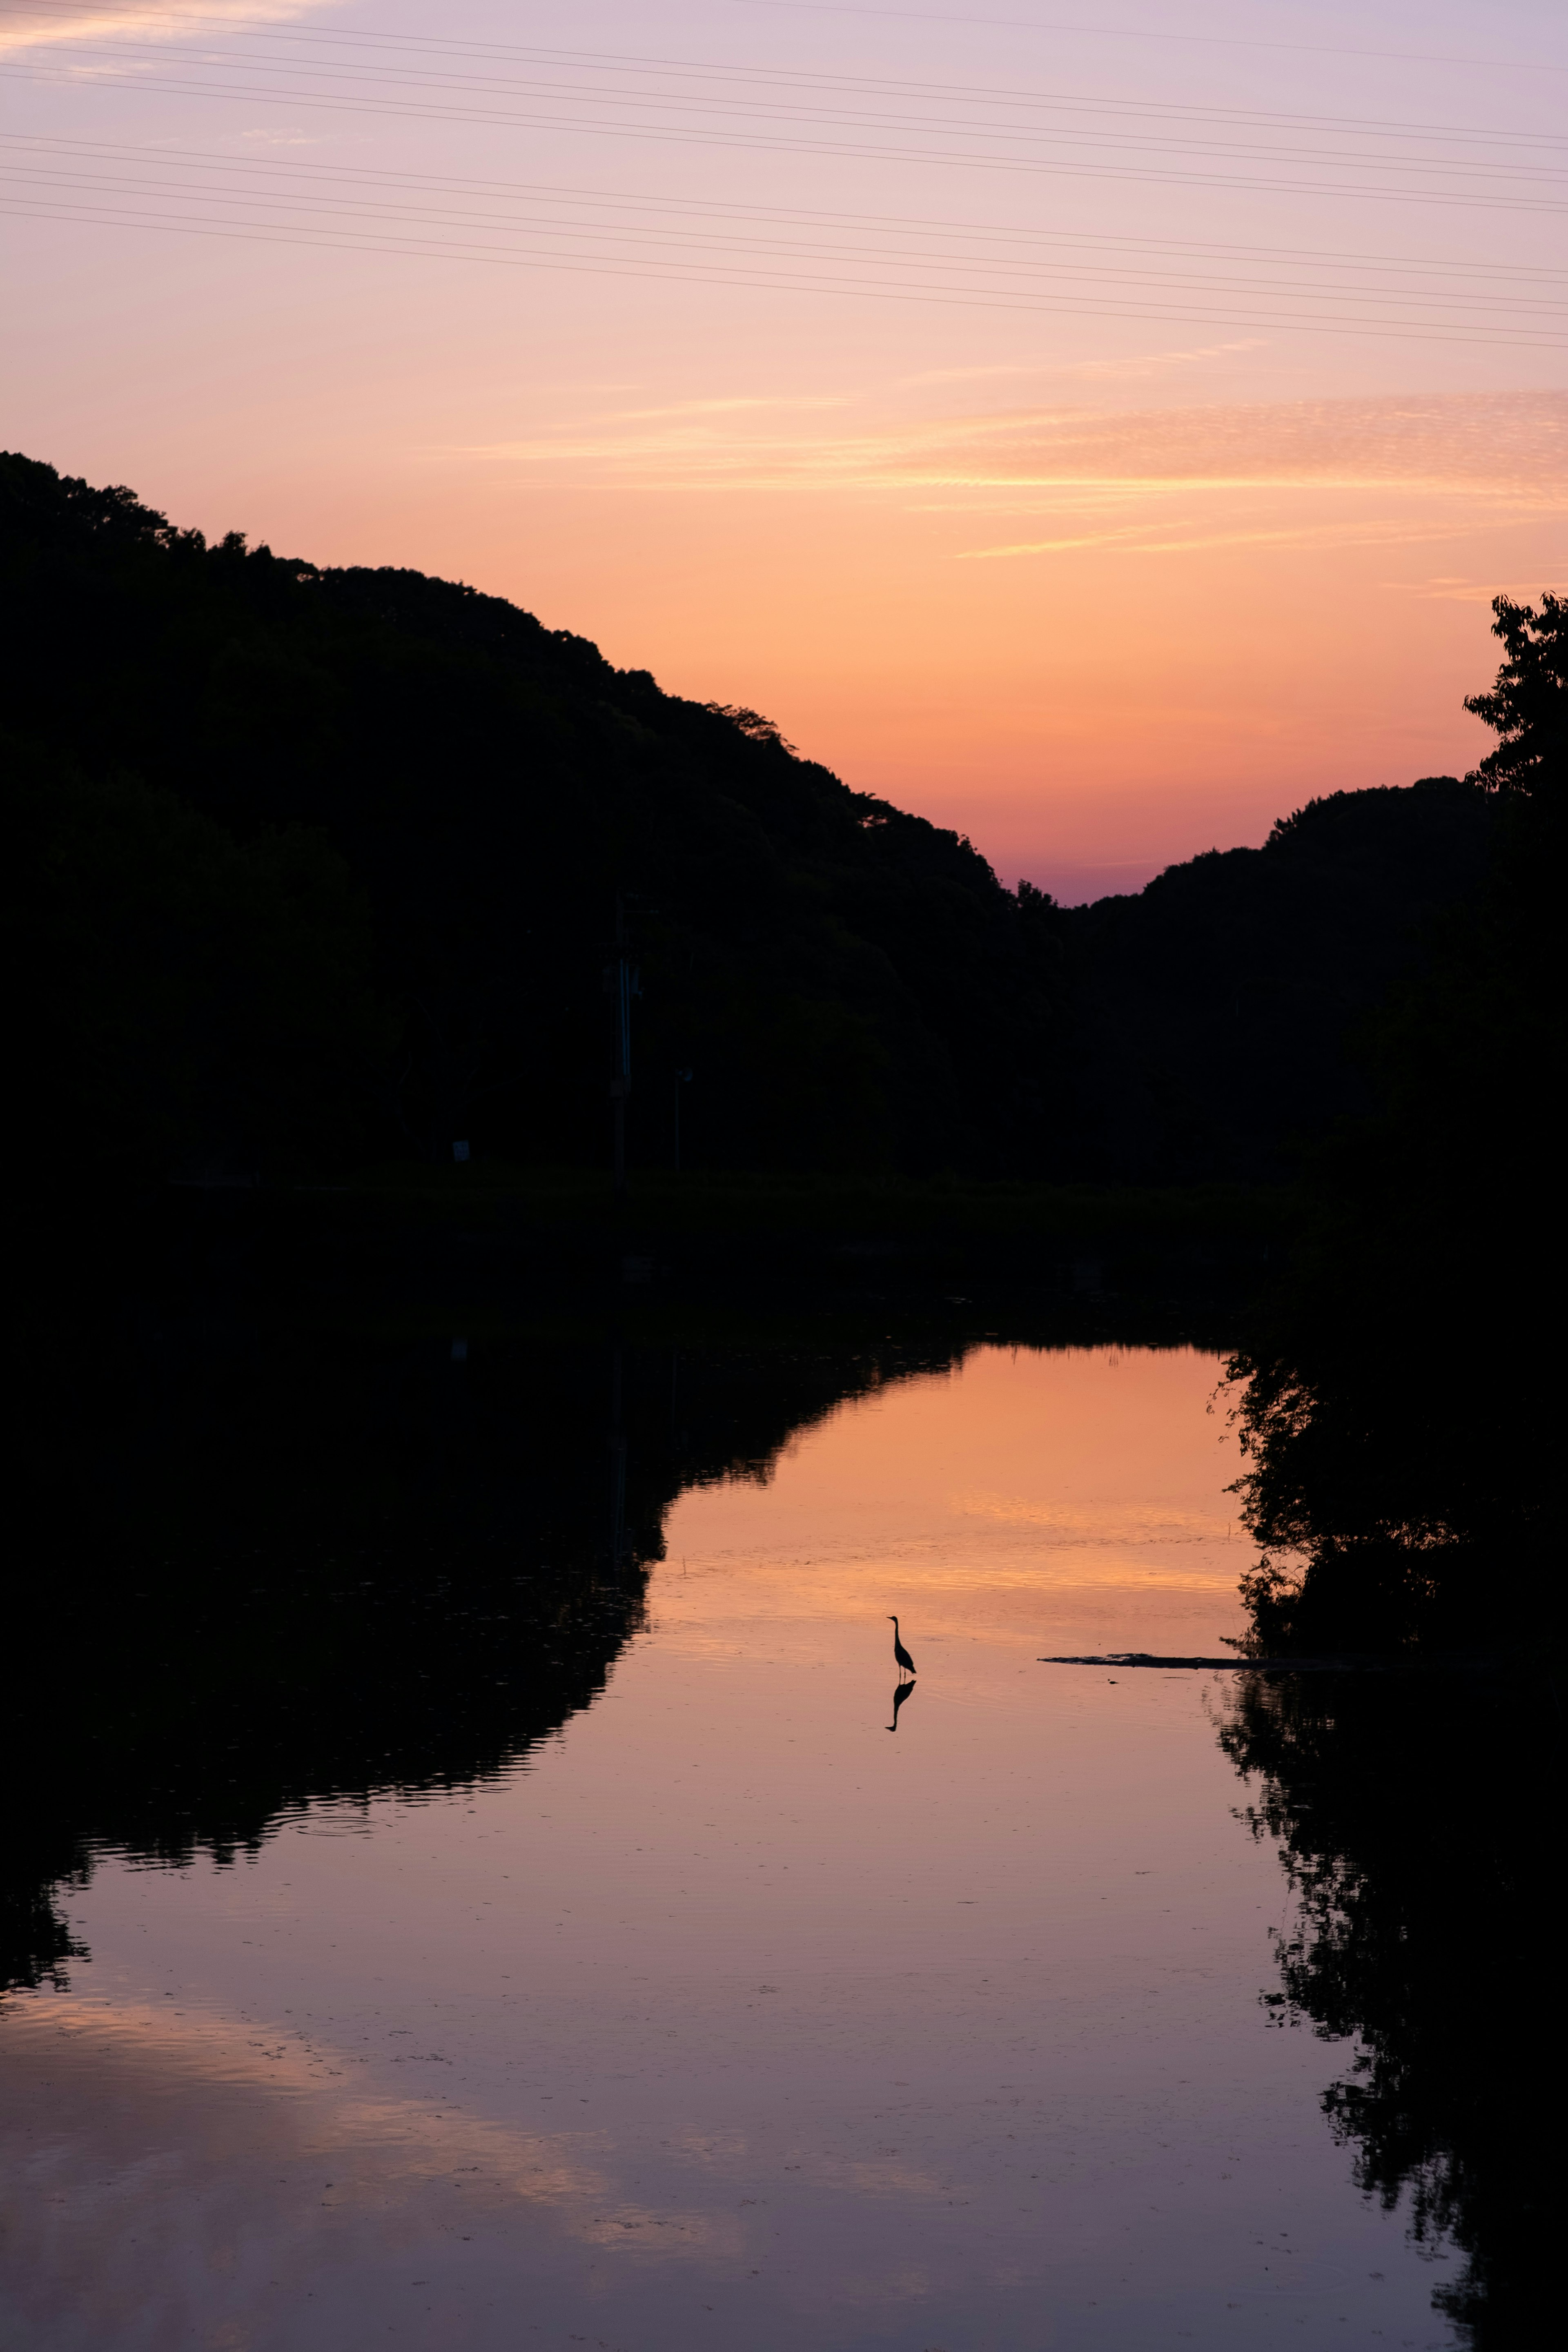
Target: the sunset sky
(1097, 434)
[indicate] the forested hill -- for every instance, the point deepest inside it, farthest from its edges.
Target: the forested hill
(1216, 1016)
(315, 863)
(850, 983)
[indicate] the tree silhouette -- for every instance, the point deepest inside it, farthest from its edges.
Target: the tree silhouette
(1402, 1443)
(1408, 1815)
(1528, 707)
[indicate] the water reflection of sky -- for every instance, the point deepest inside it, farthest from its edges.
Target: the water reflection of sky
(729, 2019)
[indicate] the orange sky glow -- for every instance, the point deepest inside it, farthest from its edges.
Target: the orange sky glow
(1098, 438)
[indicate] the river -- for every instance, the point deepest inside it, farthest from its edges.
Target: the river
(731, 2000)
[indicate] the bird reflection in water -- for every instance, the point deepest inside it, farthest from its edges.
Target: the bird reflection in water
(900, 1693)
(906, 1666)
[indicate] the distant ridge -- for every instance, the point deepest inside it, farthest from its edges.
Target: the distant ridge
(332, 858)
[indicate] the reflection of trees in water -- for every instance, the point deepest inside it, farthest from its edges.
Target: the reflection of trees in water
(1402, 1437)
(1392, 1457)
(251, 1572)
(1408, 1812)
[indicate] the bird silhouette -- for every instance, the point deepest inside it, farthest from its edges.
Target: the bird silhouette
(902, 1655)
(900, 1693)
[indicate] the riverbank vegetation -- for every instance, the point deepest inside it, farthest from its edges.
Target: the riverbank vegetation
(1407, 1810)
(319, 873)
(321, 867)
(1400, 1405)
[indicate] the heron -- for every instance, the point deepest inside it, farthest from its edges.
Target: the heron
(902, 1655)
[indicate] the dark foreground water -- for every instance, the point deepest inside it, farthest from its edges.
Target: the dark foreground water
(719, 2000)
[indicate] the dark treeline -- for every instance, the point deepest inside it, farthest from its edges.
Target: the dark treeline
(1214, 1021)
(313, 868)
(319, 866)
(321, 862)
(1401, 1406)
(1409, 1811)
(253, 1565)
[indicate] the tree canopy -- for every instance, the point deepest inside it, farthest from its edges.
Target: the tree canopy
(318, 863)
(851, 984)
(1528, 707)
(1402, 1435)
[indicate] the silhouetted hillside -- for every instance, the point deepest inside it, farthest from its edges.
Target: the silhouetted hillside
(1216, 1014)
(314, 865)
(850, 984)
(1402, 1424)
(264, 1566)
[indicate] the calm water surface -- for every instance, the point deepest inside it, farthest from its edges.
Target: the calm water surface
(743, 2011)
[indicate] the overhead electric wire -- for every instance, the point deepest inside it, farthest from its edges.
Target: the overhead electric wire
(754, 78)
(760, 108)
(773, 111)
(728, 208)
(842, 151)
(66, 10)
(1146, 33)
(801, 77)
(815, 253)
(949, 298)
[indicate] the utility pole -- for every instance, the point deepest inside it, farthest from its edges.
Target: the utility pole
(682, 1078)
(624, 983)
(618, 1546)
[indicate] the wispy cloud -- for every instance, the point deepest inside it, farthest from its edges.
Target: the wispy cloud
(1460, 591)
(300, 2092)
(100, 20)
(1501, 450)
(1099, 1523)
(752, 404)
(1193, 539)
(1147, 364)
(1451, 442)
(1135, 365)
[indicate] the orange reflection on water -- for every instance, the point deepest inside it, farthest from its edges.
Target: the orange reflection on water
(1077, 1495)
(726, 2018)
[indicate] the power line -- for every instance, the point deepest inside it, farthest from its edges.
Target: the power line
(1140, 33)
(361, 223)
(881, 238)
(727, 137)
(751, 79)
(608, 61)
(732, 209)
(794, 112)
